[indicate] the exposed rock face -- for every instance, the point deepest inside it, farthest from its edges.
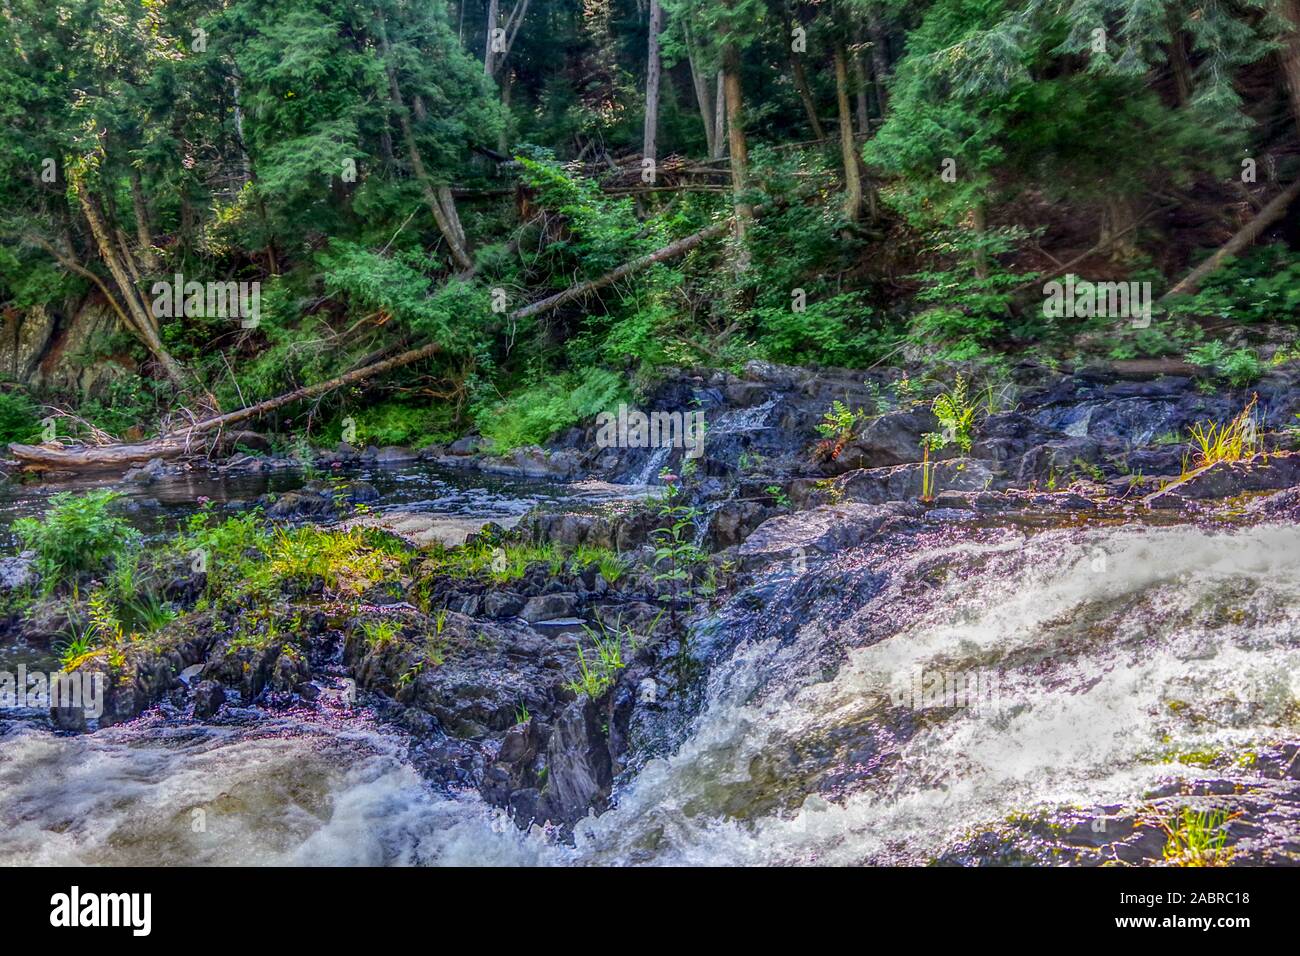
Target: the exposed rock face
(48, 348)
(1226, 479)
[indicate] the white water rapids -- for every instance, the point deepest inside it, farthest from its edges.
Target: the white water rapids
(1113, 651)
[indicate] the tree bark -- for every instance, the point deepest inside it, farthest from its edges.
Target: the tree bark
(489, 57)
(736, 143)
(805, 95)
(649, 142)
(141, 321)
(177, 443)
(448, 225)
(670, 251)
(719, 117)
(1290, 55)
(143, 230)
(703, 95)
(860, 89)
(1244, 237)
(848, 152)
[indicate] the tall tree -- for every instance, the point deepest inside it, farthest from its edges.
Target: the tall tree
(649, 143)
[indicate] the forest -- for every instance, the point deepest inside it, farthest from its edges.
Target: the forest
(567, 196)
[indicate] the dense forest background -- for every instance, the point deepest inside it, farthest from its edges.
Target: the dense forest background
(845, 182)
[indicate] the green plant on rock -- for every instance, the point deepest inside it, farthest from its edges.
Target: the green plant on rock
(79, 534)
(1238, 367)
(379, 634)
(956, 414)
(597, 674)
(1196, 838)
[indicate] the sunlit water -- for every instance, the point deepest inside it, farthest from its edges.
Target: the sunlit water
(1108, 652)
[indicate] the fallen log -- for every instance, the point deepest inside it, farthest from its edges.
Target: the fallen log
(1244, 237)
(670, 251)
(179, 442)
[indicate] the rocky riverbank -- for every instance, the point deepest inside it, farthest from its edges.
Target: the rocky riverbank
(544, 665)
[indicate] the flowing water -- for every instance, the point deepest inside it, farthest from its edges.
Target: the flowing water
(1075, 665)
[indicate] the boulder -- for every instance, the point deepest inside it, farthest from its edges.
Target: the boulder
(1227, 479)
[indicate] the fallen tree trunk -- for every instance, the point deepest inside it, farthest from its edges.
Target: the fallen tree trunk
(1244, 237)
(670, 251)
(177, 443)
(180, 442)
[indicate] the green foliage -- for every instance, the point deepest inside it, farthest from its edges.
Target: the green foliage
(19, 418)
(968, 303)
(535, 413)
(838, 422)
(379, 634)
(79, 534)
(1239, 367)
(1263, 285)
(597, 674)
(398, 422)
(956, 414)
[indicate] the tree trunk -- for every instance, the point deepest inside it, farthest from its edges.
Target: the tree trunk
(143, 231)
(142, 322)
(1290, 55)
(489, 56)
(736, 138)
(848, 153)
(719, 117)
(805, 95)
(1178, 60)
(670, 251)
(860, 90)
(448, 225)
(703, 95)
(879, 58)
(178, 442)
(649, 143)
(1246, 235)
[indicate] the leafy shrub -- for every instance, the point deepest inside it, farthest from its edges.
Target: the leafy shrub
(1238, 367)
(1261, 286)
(399, 423)
(77, 534)
(19, 418)
(833, 331)
(532, 415)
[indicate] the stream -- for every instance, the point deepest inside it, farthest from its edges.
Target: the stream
(1079, 663)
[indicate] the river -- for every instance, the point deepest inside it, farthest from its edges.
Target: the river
(1088, 660)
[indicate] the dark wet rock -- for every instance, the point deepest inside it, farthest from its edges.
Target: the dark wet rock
(395, 455)
(534, 462)
(1228, 479)
(890, 439)
(817, 532)
(469, 445)
(904, 482)
(579, 768)
(209, 696)
(734, 521)
(549, 607)
(145, 474)
(1284, 504)
(502, 604)
(320, 500)
(148, 670)
(18, 572)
